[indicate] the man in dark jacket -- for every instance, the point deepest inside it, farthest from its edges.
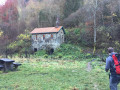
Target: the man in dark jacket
(114, 78)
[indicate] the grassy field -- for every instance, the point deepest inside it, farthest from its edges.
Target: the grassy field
(44, 74)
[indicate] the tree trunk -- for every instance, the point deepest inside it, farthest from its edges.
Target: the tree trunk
(95, 29)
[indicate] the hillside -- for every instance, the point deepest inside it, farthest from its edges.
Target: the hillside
(88, 23)
(91, 26)
(70, 67)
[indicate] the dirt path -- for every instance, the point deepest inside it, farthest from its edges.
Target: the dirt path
(89, 67)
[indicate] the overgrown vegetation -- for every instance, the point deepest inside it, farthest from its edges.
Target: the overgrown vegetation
(79, 36)
(65, 52)
(42, 74)
(83, 37)
(21, 46)
(66, 68)
(39, 74)
(77, 42)
(17, 17)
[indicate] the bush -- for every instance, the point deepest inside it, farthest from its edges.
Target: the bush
(68, 51)
(45, 56)
(21, 45)
(60, 56)
(79, 36)
(40, 53)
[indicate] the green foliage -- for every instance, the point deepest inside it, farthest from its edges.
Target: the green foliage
(77, 31)
(68, 51)
(21, 45)
(40, 53)
(42, 15)
(71, 6)
(117, 46)
(60, 55)
(1, 32)
(103, 51)
(24, 37)
(53, 75)
(45, 56)
(88, 54)
(79, 36)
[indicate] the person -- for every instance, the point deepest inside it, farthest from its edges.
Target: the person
(114, 78)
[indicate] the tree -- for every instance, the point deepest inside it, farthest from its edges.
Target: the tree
(9, 16)
(95, 10)
(51, 10)
(71, 6)
(8, 22)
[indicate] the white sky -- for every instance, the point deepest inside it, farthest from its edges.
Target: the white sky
(2, 2)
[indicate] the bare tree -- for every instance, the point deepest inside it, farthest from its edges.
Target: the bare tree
(95, 28)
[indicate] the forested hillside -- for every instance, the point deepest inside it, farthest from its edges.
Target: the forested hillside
(88, 22)
(89, 28)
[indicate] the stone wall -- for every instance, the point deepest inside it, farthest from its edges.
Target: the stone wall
(52, 40)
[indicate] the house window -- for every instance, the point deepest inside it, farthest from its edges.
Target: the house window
(51, 35)
(63, 38)
(36, 37)
(43, 36)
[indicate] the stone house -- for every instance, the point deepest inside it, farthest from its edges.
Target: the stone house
(48, 37)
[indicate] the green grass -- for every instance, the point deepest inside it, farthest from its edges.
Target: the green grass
(65, 52)
(39, 74)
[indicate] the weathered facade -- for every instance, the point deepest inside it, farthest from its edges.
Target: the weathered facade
(50, 37)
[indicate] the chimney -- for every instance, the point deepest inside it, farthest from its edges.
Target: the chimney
(57, 22)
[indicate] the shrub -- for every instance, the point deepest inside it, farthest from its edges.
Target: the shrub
(68, 51)
(40, 53)
(60, 56)
(79, 36)
(21, 45)
(45, 56)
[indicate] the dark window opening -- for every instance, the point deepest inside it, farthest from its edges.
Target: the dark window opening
(36, 37)
(51, 35)
(35, 49)
(43, 36)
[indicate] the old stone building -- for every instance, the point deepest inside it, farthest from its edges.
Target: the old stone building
(49, 37)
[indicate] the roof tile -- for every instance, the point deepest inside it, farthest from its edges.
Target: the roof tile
(46, 30)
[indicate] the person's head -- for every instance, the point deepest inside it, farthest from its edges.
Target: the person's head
(110, 50)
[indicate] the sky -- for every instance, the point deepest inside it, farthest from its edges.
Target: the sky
(2, 2)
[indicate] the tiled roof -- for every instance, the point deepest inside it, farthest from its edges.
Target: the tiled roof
(46, 30)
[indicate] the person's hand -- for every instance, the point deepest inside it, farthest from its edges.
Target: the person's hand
(106, 70)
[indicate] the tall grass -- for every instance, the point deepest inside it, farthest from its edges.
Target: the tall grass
(42, 74)
(65, 52)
